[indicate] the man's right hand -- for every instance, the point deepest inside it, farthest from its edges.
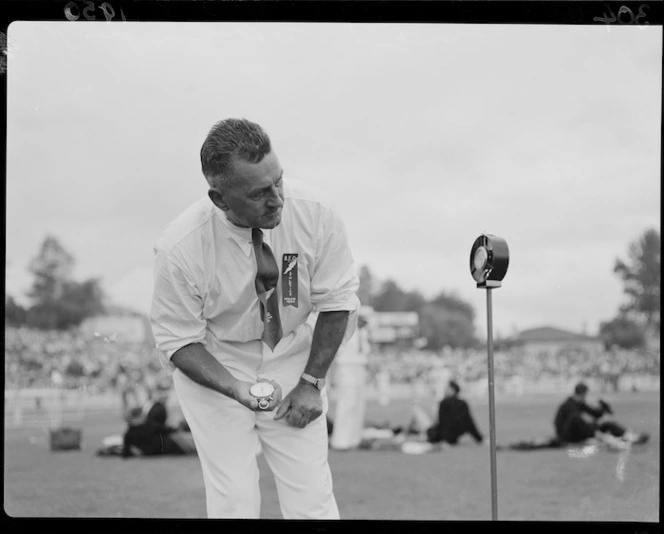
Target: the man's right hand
(240, 391)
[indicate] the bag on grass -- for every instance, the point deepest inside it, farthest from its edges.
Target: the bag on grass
(64, 439)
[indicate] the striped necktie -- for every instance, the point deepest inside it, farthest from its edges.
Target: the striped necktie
(267, 276)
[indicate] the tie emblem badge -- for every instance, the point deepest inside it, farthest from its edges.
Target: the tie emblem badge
(289, 280)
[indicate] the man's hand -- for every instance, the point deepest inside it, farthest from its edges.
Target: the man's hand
(240, 391)
(301, 406)
(605, 406)
(243, 396)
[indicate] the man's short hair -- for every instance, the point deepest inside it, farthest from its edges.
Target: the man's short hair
(455, 387)
(581, 388)
(228, 139)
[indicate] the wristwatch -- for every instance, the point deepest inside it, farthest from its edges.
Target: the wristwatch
(318, 383)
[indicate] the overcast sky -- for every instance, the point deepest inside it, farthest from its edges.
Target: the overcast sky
(426, 136)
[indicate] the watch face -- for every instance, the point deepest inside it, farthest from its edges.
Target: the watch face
(480, 258)
(261, 389)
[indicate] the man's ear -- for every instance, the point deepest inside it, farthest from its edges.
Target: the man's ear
(218, 199)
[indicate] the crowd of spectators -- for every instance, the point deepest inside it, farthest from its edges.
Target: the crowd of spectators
(94, 363)
(470, 365)
(98, 363)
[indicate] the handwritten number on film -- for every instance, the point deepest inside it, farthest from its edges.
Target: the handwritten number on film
(625, 16)
(74, 12)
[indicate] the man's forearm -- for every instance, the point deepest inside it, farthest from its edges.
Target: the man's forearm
(594, 412)
(200, 366)
(328, 334)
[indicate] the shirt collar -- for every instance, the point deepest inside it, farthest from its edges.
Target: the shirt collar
(242, 236)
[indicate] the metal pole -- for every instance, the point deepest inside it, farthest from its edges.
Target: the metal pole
(492, 412)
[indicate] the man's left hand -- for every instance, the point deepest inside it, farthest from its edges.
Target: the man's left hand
(301, 406)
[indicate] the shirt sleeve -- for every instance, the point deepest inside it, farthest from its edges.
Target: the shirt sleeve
(334, 282)
(177, 308)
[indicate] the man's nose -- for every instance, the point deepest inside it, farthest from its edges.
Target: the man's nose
(275, 200)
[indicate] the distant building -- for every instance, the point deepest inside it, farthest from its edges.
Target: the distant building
(549, 340)
(121, 324)
(399, 329)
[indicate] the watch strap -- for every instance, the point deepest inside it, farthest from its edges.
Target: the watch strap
(318, 383)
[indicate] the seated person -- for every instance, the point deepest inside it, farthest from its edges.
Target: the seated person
(454, 419)
(576, 421)
(150, 435)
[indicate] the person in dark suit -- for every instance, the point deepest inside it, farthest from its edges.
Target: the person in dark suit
(150, 435)
(454, 419)
(576, 421)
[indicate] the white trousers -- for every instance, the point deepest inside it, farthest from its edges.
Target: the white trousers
(227, 437)
(350, 410)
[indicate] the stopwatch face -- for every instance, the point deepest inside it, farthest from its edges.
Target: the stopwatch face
(261, 389)
(480, 259)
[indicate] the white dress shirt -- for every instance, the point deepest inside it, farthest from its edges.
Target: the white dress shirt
(204, 290)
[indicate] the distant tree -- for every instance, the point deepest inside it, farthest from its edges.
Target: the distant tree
(391, 298)
(15, 314)
(641, 279)
(414, 301)
(445, 320)
(448, 320)
(445, 326)
(52, 268)
(453, 303)
(59, 302)
(623, 332)
(81, 300)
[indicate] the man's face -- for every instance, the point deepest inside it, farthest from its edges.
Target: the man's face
(580, 396)
(256, 198)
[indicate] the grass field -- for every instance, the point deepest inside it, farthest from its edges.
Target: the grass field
(547, 485)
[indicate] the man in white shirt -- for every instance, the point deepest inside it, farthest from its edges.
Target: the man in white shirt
(206, 319)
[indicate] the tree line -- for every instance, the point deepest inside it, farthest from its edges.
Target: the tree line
(58, 301)
(444, 320)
